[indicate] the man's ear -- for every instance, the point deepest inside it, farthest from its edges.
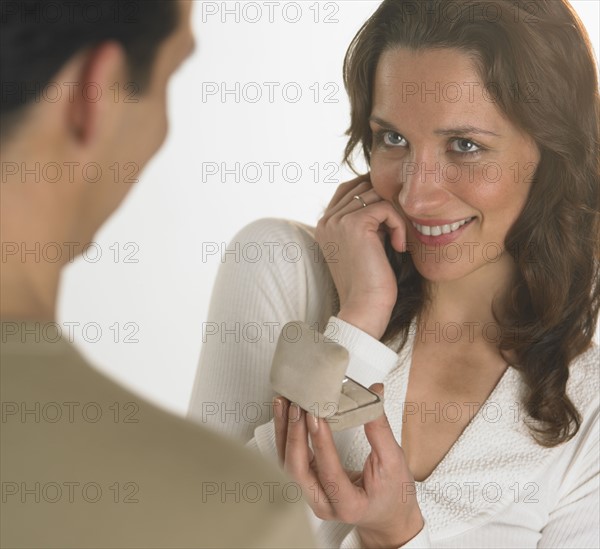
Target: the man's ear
(103, 69)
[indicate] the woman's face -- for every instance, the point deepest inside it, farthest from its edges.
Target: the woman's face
(445, 156)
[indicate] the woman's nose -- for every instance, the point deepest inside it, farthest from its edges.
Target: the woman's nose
(421, 187)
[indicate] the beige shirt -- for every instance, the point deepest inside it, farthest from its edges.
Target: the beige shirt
(86, 463)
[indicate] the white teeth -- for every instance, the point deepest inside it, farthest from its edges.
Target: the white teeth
(437, 230)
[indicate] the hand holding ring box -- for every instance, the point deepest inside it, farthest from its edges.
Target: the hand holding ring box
(309, 369)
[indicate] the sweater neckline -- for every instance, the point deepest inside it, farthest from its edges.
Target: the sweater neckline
(497, 393)
(474, 478)
(495, 463)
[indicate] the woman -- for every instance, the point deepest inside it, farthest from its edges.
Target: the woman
(461, 273)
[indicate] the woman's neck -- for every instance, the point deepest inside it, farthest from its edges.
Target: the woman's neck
(465, 307)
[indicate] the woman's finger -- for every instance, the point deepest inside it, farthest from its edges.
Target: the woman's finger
(280, 413)
(383, 213)
(332, 476)
(297, 458)
(345, 188)
(377, 214)
(299, 462)
(380, 435)
(343, 201)
(350, 204)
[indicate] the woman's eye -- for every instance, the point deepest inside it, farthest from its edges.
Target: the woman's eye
(465, 146)
(393, 139)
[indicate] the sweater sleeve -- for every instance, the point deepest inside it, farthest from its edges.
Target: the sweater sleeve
(370, 360)
(575, 521)
(420, 541)
(259, 287)
(272, 276)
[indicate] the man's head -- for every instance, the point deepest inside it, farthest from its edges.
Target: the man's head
(84, 108)
(84, 94)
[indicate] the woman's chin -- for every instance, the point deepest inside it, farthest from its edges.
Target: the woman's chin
(440, 271)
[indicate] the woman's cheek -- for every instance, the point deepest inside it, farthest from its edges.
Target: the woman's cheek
(385, 177)
(485, 183)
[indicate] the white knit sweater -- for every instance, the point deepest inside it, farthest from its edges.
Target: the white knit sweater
(496, 487)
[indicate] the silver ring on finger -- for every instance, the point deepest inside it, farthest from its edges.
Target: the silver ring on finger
(358, 197)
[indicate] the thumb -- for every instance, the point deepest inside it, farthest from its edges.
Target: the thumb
(379, 432)
(377, 388)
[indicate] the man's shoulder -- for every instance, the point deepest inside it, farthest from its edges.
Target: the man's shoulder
(51, 386)
(71, 433)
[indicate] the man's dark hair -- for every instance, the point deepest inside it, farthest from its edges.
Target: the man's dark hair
(39, 36)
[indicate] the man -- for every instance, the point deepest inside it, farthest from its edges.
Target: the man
(85, 463)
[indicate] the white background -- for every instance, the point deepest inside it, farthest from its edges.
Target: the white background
(178, 209)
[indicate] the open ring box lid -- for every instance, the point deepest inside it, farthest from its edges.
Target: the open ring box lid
(309, 369)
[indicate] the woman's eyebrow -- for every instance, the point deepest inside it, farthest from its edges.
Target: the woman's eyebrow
(459, 130)
(382, 122)
(463, 130)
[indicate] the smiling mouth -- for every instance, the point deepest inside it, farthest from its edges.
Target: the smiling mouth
(437, 230)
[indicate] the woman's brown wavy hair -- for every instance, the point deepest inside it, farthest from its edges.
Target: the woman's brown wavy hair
(539, 48)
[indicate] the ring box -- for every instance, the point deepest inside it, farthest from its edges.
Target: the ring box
(309, 369)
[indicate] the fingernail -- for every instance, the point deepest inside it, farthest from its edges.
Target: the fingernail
(278, 407)
(294, 412)
(313, 423)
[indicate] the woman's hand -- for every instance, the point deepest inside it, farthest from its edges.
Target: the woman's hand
(362, 274)
(380, 500)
